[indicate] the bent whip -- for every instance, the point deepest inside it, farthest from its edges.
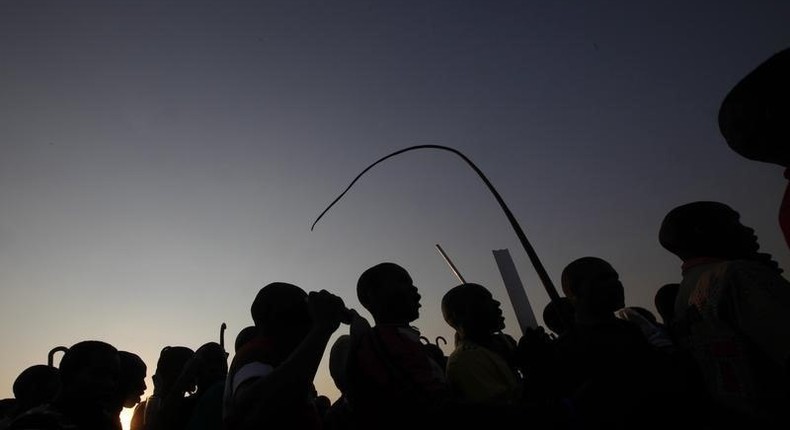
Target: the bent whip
(533, 256)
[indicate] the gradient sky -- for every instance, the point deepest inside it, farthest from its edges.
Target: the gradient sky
(160, 161)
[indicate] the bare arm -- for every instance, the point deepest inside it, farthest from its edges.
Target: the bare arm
(255, 397)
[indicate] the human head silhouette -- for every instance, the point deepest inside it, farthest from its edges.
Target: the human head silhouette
(707, 229)
(387, 291)
(213, 364)
(132, 382)
(37, 385)
(245, 335)
(90, 372)
(594, 286)
(472, 311)
(338, 358)
(280, 309)
(169, 366)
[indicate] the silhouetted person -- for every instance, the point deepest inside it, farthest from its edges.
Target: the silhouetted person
(754, 119)
(208, 367)
(393, 382)
(245, 335)
(148, 415)
(242, 338)
(89, 373)
(732, 313)
(272, 374)
(340, 416)
(481, 368)
(131, 385)
(36, 386)
(610, 374)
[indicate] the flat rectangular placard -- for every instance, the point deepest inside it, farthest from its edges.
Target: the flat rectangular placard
(515, 289)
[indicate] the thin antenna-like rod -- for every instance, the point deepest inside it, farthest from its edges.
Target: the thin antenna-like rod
(533, 256)
(450, 263)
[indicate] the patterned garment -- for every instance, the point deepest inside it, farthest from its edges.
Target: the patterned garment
(393, 380)
(734, 316)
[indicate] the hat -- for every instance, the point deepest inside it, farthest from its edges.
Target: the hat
(754, 117)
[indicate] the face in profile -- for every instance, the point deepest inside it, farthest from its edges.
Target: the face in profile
(388, 292)
(400, 296)
(472, 309)
(490, 311)
(136, 388)
(707, 229)
(735, 239)
(136, 394)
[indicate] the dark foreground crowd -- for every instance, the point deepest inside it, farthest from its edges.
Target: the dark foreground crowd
(718, 357)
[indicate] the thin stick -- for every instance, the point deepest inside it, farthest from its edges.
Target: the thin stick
(450, 263)
(533, 256)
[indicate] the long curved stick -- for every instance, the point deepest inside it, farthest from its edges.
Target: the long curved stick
(533, 256)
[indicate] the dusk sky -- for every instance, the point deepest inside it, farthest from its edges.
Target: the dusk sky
(161, 161)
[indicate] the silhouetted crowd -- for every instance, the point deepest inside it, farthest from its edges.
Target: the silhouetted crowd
(718, 355)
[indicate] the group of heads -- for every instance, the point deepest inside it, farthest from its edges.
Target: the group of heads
(590, 284)
(702, 229)
(385, 290)
(91, 373)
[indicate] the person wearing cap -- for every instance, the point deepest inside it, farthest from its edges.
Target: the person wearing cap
(732, 314)
(754, 119)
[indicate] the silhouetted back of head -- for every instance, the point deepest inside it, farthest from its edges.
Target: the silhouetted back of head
(664, 301)
(37, 385)
(89, 371)
(472, 311)
(386, 290)
(754, 117)
(558, 315)
(245, 335)
(280, 308)
(338, 358)
(707, 229)
(593, 285)
(213, 364)
(171, 361)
